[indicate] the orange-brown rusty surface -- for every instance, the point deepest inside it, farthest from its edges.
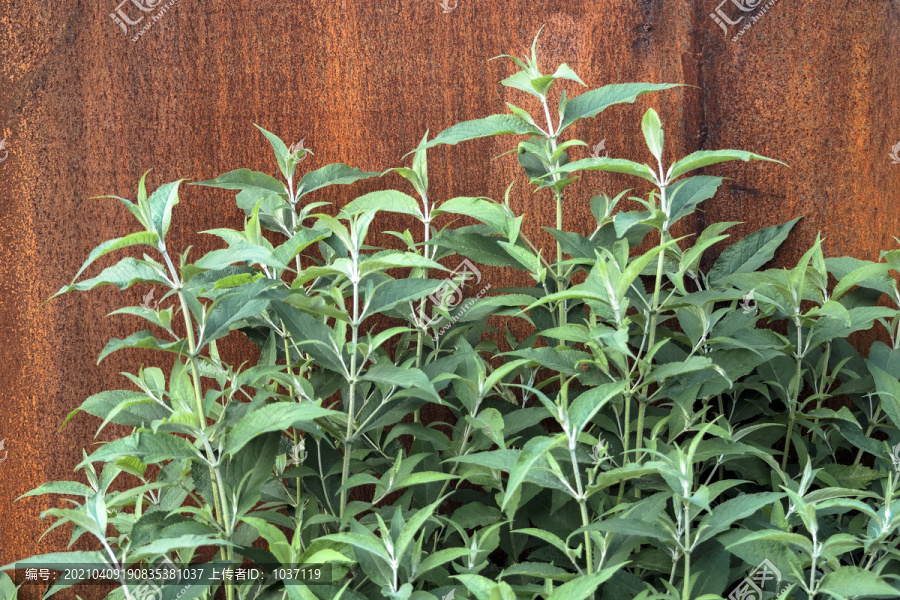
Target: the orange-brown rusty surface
(85, 111)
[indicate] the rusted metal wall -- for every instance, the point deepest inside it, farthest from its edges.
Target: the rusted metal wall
(85, 110)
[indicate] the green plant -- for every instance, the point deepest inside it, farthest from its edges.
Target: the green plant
(652, 416)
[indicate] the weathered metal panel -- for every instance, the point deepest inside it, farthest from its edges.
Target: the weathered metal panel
(85, 110)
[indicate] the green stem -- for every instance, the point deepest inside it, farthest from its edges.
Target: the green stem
(626, 442)
(686, 584)
(796, 395)
(654, 315)
(642, 407)
(427, 236)
(869, 431)
(821, 389)
(348, 437)
(219, 497)
(582, 503)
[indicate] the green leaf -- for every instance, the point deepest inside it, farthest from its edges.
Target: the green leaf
(369, 543)
(613, 165)
(397, 260)
(123, 274)
(148, 446)
(135, 415)
(584, 586)
(274, 417)
(389, 294)
(479, 128)
(415, 526)
(523, 256)
(531, 454)
(653, 133)
(478, 585)
(888, 391)
(161, 202)
(68, 488)
(609, 478)
(548, 537)
(490, 421)
(169, 544)
(239, 252)
(633, 527)
(751, 252)
(847, 581)
(60, 559)
(875, 275)
(705, 158)
(280, 149)
(142, 339)
(147, 238)
(593, 102)
(7, 587)
(312, 336)
(589, 403)
(561, 360)
(539, 570)
(485, 210)
(385, 201)
(406, 377)
(297, 243)
(436, 559)
(278, 542)
(480, 248)
(246, 301)
(776, 535)
(726, 513)
(247, 180)
(563, 71)
(684, 195)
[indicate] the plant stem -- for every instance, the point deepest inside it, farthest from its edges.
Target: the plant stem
(348, 441)
(686, 584)
(626, 442)
(563, 308)
(426, 213)
(219, 497)
(869, 431)
(821, 389)
(582, 504)
(654, 314)
(796, 395)
(642, 407)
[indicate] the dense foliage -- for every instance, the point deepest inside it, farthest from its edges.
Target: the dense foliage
(662, 432)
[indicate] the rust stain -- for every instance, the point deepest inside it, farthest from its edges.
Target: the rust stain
(86, 111)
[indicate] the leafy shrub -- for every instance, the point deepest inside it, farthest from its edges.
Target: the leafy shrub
(662, 432)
